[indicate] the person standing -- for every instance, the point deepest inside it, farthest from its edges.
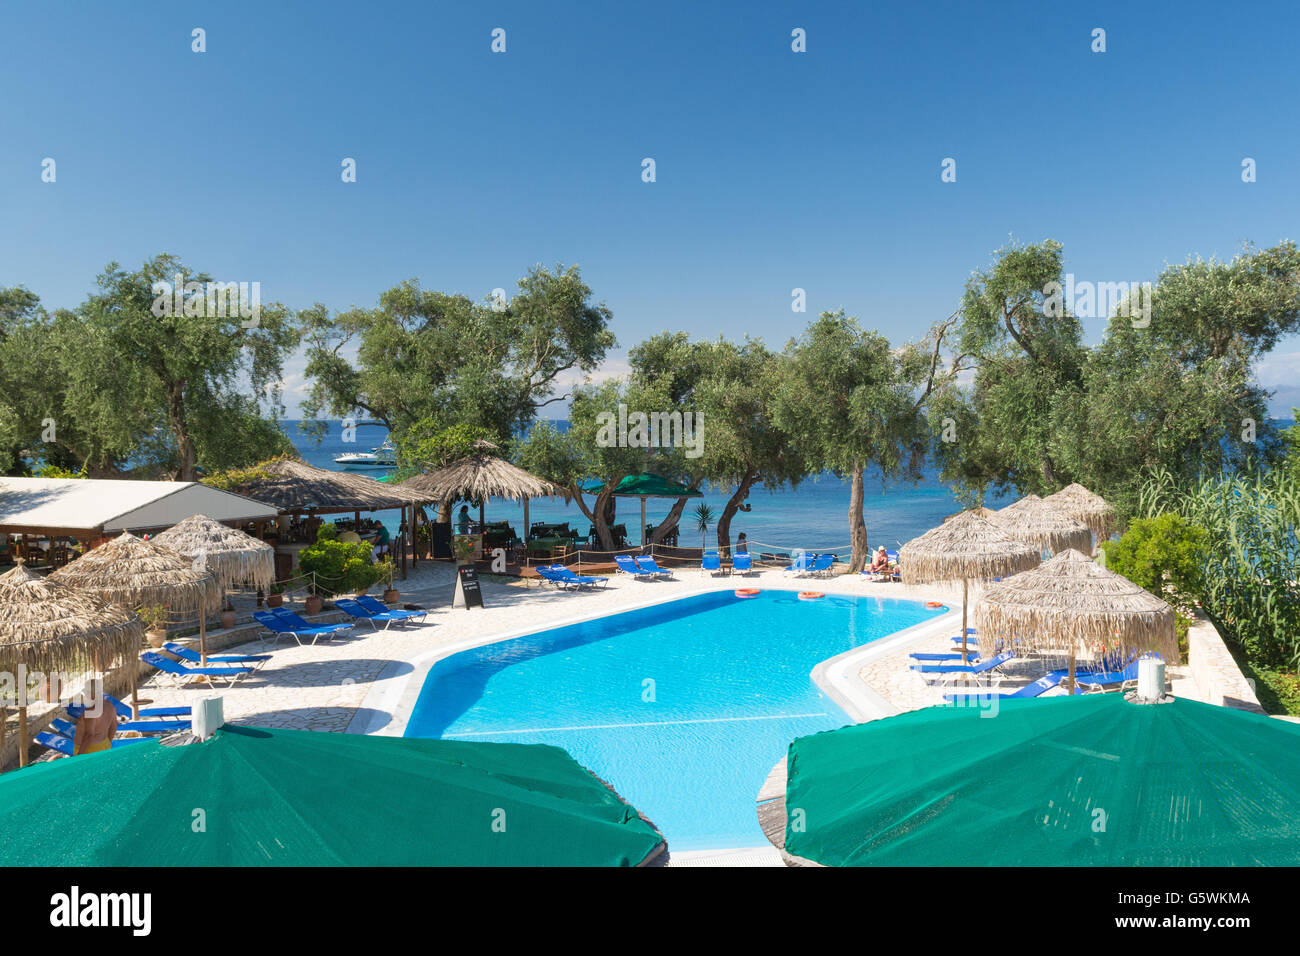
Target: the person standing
(95, 727)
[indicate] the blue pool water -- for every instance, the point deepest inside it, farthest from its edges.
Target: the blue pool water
(683, 707)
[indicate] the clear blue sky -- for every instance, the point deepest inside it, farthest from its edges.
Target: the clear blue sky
(775, 169)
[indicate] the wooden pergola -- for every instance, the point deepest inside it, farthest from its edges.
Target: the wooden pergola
(295, 488)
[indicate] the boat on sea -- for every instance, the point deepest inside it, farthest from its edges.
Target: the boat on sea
(385, 456)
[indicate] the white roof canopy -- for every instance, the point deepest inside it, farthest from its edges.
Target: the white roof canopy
(98, 506)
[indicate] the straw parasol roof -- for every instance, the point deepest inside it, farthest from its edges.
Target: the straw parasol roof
(1071, 600)
(1034, 521)
(130, 571)
(478, 477)
(1083, 505)
(985, 513)
(966, 547)
(230, 554)
(50, 627)
(295, 486)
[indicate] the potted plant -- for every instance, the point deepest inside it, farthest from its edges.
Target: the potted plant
(314, 604)
(155, 622)
(387, 568)
(228, 615)
(463, 545)
(276, 596)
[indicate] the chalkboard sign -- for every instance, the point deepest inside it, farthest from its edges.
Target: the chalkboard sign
(468, 593)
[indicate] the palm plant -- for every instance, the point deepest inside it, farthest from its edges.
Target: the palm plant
(703, 518)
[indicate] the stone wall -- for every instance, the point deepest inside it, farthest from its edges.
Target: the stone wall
(1214, 670)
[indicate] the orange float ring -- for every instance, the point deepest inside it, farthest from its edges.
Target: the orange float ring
(933, 604)
(747, 592)
(810, 595)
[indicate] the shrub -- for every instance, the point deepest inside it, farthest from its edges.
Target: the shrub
(339, 567)
(1165, 555)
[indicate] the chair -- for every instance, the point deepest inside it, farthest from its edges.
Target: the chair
(362, 613)
(289, 624)
(182, 675)
(194, 657)
(971, 657)
(975, 671)
(647, 564)
(1096, 682)
(822, 565)
(379, 607)
(124, 710)
(1036, 689)
(627, 566)
(559, 574)
(63, 745)
(711, 562)
(799, 566)
(742, 563)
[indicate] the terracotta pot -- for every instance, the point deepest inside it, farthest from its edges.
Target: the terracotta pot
(274, 600)
(227, 619)
(156, 638)
(391, 596)
(314, 603)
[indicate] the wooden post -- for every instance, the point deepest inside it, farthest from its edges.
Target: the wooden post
(643, 542)
(203, 638)
(963, 621)
(22, 732)
(1069, 680)
(133, 665)
(402, 538)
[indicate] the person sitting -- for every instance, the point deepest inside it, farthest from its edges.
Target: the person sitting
(879, 563)
(742, 544)
(462, 520)
(95, 727)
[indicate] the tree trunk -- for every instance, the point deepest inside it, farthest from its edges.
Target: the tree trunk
(857, 523)
(729, 511)
(185, 453)
(665, 527)
(599, 512)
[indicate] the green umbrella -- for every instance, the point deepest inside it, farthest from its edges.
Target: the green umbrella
(1064, 781)
(257, 797)
(645, 486)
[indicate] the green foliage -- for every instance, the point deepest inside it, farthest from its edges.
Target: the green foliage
(233, 479)
(339, 567)
(1252, 567)
(1045, 410)
(426, 446)
(437, 359)
(1165, 555)
(54, 471)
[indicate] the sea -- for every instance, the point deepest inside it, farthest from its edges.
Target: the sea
(812, 516)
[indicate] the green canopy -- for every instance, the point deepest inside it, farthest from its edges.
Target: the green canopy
(645, 486)
(257, 797)
(1064, 781)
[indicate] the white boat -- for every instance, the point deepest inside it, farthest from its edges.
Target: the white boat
(385, 456)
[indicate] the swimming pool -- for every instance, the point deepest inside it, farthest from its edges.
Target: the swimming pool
(682, 707)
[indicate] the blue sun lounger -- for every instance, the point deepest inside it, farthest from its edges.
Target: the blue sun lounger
(647, 564)
(379, 607)
(1096, 682)
(192, 656)
(742, 563)
(291, 625)
(1036, 689)
(564, 579)
(711, 562)
(978, 671)
(374, 618)
(627, 566)
(973, 655)
(61, 744)
(181, 674)
(124, 709)
(147, 724)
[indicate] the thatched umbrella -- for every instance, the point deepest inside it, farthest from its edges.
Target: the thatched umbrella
(297, 487)
(964, 548)
(128, 570)
(1071, 600)
(1083, 505)
(1034, 521)
(231, 555)
(49, 627)
(480, 476)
